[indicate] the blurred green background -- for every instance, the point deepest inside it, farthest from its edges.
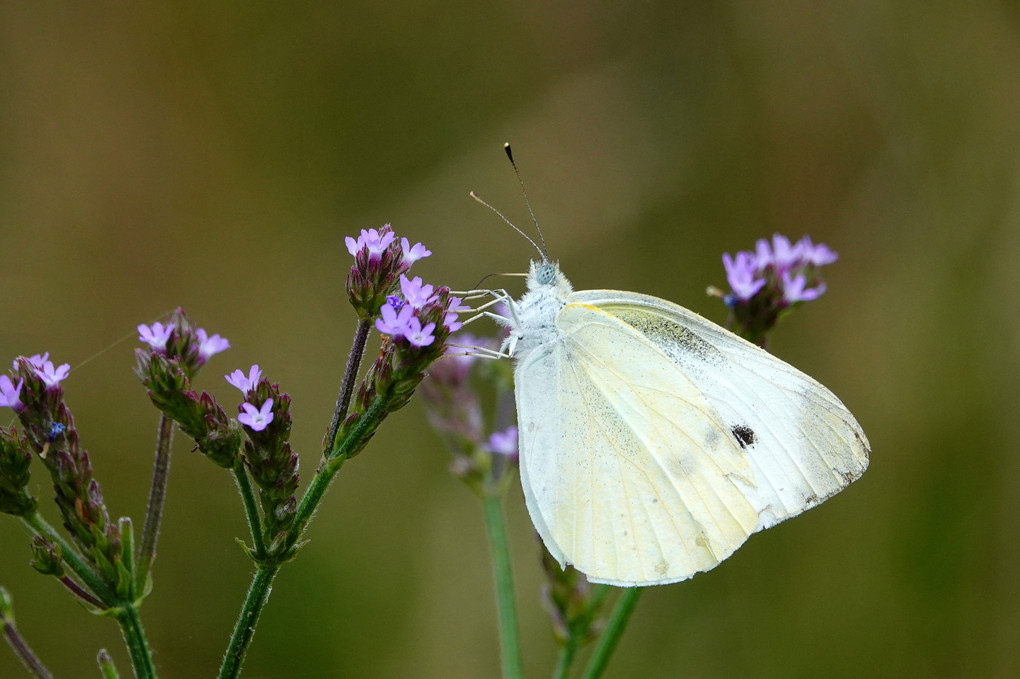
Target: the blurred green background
(214, 155)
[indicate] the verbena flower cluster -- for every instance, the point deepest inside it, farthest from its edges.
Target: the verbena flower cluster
(776, 276)
(48, 432)
(414, 318)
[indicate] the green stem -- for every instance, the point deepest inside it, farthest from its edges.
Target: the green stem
(74, 561)
(510, 644)
(251, 508)
(137, 644)
(567, 653)
(157, 498)
(254, 602)
(614, 630)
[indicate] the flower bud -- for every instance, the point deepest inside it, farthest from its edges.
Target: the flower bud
(46, 557)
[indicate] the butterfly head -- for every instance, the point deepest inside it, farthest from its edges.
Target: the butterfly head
(545, 275)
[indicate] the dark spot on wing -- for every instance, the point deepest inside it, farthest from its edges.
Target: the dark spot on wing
(743, 434)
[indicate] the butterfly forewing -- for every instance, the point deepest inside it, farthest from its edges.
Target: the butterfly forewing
(802, 443)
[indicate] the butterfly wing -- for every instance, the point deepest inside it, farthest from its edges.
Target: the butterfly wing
(624, 471)
(803, 444)
(653, 443)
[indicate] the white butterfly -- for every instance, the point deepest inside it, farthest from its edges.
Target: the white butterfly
(654, 442)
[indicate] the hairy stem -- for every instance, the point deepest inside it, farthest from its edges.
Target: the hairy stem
(251, 508)
(157, 498)
(244, 630)
(137, 644)
(343, 399)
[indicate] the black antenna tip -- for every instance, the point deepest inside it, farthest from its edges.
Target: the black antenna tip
(509, 152)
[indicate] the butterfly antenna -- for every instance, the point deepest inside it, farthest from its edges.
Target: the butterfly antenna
(510, 155)
(511, 224)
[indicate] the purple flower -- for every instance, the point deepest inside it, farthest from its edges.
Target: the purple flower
(156, 335)
(257, 418)
(794, 289)
(413, 253)
(417, 335)
(36, 360)
(207, 346)
(457, 304)
(393, 322)
(245, 382)
(740, 272)
(371, 240)
(451, 323)
(816, 255)
(53, 376)
(504, 443)
(416, 294)
(454, 306)
(784, 255)
(9, 394)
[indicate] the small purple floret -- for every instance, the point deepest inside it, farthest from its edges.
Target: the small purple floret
(208, 346)
(794, 289)
(257, 418)
(740, 272)
(371, 240)
(413, 253)
(394, 322)
(415, 292)
(51, 376)
(245, 382)
(156, 335)
(10, 395)
(504, 442)
(417, 335)
(784, 255)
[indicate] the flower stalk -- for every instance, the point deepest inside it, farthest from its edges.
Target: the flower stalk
(499, 546)
(157, 498)
(614, 630)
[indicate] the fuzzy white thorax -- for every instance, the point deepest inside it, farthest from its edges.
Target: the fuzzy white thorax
(533, 316)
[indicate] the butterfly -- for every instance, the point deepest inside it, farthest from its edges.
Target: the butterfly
(653, 442)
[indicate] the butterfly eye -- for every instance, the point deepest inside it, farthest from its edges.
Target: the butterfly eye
(545, 274)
